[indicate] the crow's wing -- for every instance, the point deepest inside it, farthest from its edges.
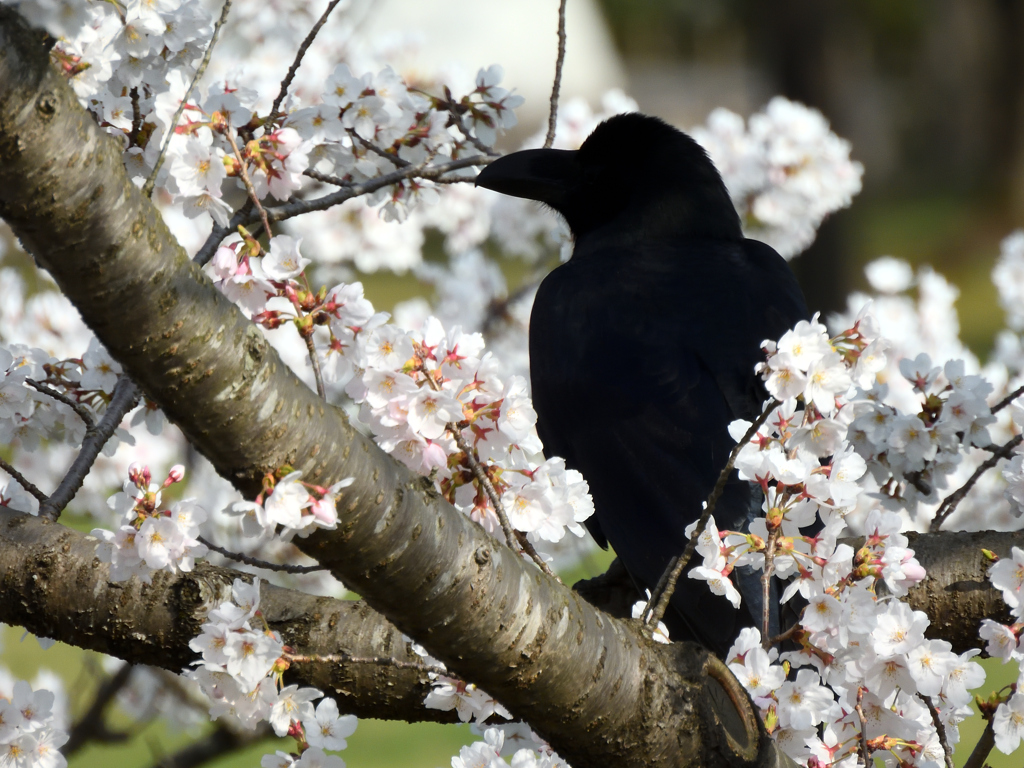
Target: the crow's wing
(640, 358)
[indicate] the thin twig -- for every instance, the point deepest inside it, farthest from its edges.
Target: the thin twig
(1008, 399)
(865, 753)
(315, 362)
(22, 481)
(981, 750)
(383, 661)
(147, 189)
(70, 402)
(390, 157)
(133, 135)
(297, 207)
(549, 139)
(659, 601)
(286, 83)
(244, 173)
(257, 563)
(789, 634)
(123, 399)
(949, 504)
(511, 535)
(766, 587)
(940, 729)
(485, 483)
(471, 138)
(326, 178)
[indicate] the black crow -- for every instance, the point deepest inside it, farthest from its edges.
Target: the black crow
(643, 346)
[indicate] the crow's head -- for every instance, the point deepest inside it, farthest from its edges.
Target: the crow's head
(635, 173)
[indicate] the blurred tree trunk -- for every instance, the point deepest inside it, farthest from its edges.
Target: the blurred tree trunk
(800, 43)
(1008, 133)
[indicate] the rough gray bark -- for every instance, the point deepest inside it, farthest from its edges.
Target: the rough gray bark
(957, 595)
(52, 584)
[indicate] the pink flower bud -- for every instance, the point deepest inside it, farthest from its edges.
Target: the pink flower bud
(139, 474)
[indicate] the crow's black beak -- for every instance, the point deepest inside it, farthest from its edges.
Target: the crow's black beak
(546, 175)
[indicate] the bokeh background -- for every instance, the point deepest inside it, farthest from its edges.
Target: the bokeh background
(929, 92)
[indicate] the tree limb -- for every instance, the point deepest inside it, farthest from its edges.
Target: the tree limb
(52, 584)
(122, 399)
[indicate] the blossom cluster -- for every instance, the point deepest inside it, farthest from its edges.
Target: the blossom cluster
(863, 678)
(423, 393)
(31, 734)
(241, 673)
(31, 416)
(131, 69)
(516, 741)
(365, 126)
(912, 455)
(288, 502)
(106, 53)
(927, 324)
(434, 399)
(450, 693)
(150, 538)
(785, 170)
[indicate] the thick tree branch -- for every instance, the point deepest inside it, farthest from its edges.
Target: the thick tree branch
(52, 584)
(957, 594)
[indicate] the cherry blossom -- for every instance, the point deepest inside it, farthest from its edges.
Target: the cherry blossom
(326, 728)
